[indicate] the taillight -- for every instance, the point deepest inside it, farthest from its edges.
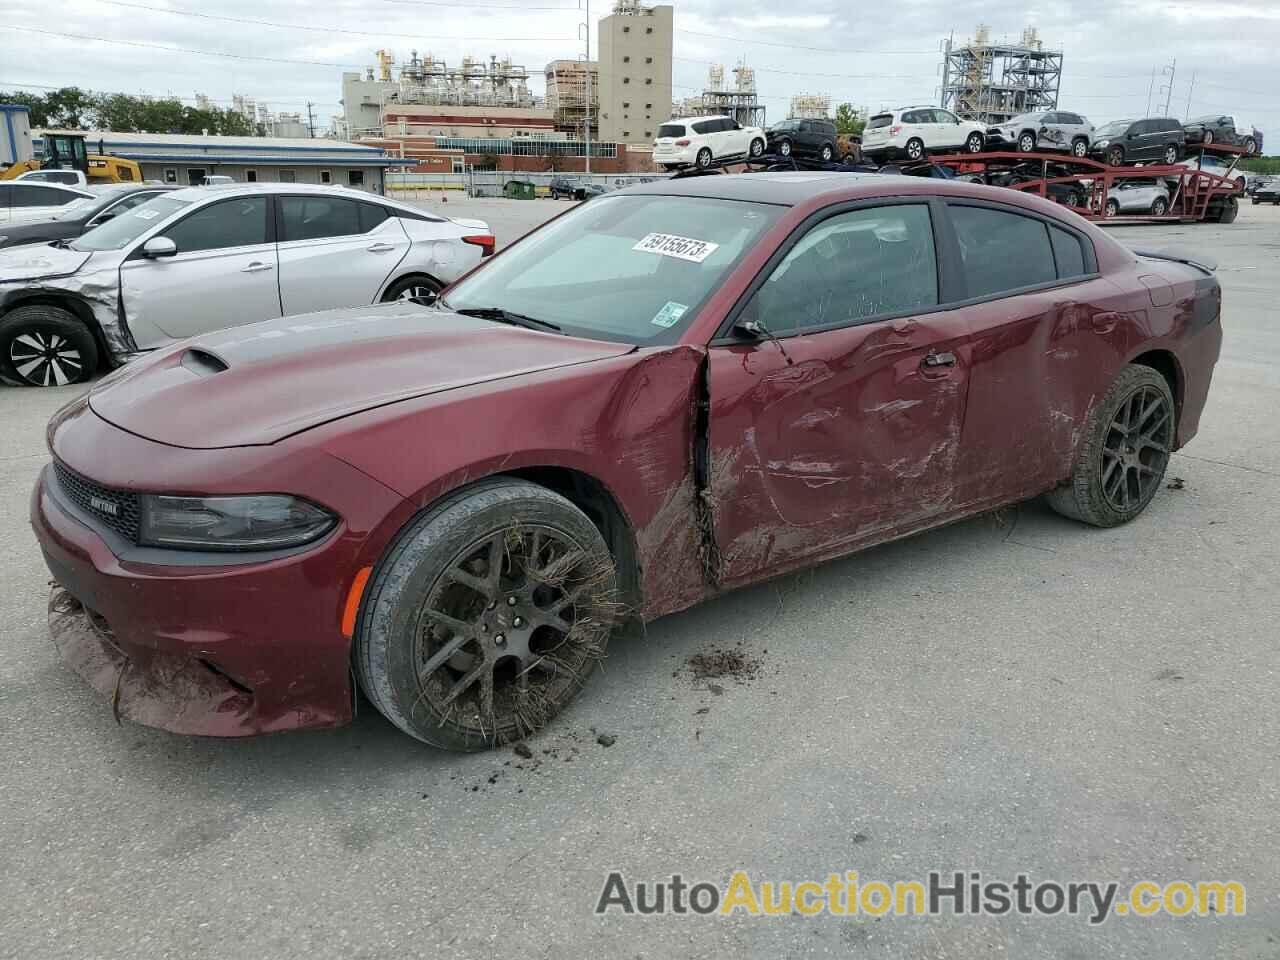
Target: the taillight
(485, 241)
(894, 131)
(682, 143)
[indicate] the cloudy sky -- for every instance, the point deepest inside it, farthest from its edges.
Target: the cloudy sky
(286, 52)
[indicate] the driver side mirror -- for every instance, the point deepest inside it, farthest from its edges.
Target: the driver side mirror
(158, 247)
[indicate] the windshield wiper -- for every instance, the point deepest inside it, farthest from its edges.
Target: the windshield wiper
(502, 315)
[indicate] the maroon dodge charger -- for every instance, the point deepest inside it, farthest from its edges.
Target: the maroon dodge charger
(666, 393)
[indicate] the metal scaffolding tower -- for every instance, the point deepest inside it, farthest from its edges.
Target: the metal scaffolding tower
(741, 102)
(991, 82)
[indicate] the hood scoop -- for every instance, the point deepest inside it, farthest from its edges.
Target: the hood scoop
(202, 362)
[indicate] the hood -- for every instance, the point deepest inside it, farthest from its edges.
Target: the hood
(262, 382)
(39, 262)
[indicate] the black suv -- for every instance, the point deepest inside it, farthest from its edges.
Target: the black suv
(567, 187)
(804, 138)
(1158, 139)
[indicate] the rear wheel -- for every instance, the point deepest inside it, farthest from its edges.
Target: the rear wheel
(487, 615)
(974, 142)
(1124, 453)
(1171, 154)
(46, 346)
(1208, 136)
(704, 158)
(417, 289)
(784, 148)
(1080, 147)
(847, 159)
(915, 149)
(827, 153)
(1250, 146)
(1026, 142)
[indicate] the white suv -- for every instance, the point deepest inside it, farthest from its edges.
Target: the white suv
(699, 141)
(913, 132)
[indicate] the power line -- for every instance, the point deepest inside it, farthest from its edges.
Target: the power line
(485, 6)
(165, 96)
(797, 46)
(315, 29)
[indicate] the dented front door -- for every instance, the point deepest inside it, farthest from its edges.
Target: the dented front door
(849, 436)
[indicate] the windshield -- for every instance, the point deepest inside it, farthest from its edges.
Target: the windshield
(74, 208)
(119, 232)
(629, 268)
(1112, 129)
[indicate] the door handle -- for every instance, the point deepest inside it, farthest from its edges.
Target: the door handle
(257, 266)
(1104, 322)
(380, 247)
(939, 360)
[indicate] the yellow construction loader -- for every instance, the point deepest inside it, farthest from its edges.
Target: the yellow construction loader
(66, 151)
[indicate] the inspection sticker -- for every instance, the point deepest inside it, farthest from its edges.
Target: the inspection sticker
(682, 248)
(146, 214)
(669, 315)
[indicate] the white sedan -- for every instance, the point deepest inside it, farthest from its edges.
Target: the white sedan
(33, 200)
(205, 258)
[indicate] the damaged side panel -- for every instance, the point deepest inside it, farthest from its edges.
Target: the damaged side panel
(94, 291)
(851, 434)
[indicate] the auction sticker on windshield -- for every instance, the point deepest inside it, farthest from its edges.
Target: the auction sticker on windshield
(682, 248)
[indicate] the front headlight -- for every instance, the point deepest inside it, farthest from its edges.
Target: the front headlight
(260, 522)
(1101, 143)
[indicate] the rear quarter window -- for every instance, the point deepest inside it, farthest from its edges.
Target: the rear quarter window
(880, 120)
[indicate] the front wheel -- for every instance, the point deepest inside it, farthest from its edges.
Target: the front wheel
(974, 143)
(1208, 136)
(46, 346)
(757, 147)
(1159, 206)
(1250, 146)
(417, 289)
(704, 158)
(1080, 147)
(486, 616)
(784, 148)
(847, 159)
(1124, 452)
(827, 153)
(1115, 156)
(1113, 208)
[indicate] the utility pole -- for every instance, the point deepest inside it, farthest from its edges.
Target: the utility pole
(1189, 90)
(1151, 89)
(587, 67)
(311, 121)
(1167, 89)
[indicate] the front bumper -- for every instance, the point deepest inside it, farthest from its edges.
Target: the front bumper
(223, 649)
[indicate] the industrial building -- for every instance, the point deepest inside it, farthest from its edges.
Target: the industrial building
(737, 100)
(181, 159)
(810, 106)
(573, 96)
(635, 49)
(991, 82)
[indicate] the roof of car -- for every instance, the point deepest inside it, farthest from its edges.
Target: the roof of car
(709, 116)
(213, 191)
(45, 185)
(786, 188)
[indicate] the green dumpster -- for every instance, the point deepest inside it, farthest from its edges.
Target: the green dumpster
(518, 190)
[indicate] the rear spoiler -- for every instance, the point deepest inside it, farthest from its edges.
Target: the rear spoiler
(1179, 254)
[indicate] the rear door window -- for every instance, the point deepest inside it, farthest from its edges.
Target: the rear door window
(855, 266)
(1002, 251)
(314, 218)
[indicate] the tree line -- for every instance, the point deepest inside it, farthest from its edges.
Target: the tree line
(71, 108)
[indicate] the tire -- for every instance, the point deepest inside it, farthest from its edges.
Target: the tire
(975, 142)
(784, 148)
(1026, 143)
(409, 661)
(1094, 494)
(1208, 137)
(703, 160)
(1250, 146)
(1115, 156)
(1171, 154)
(1256, 201)
(1159, 206)
(757, 148)
(1113, 208)
(1241, 184)
(1229, 210)
(416, 289)
(915, 149)
(827, 153)
(1079, 147)
(847, 159)
(46, 346)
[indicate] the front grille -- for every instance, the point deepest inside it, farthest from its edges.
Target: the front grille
(117, 509)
